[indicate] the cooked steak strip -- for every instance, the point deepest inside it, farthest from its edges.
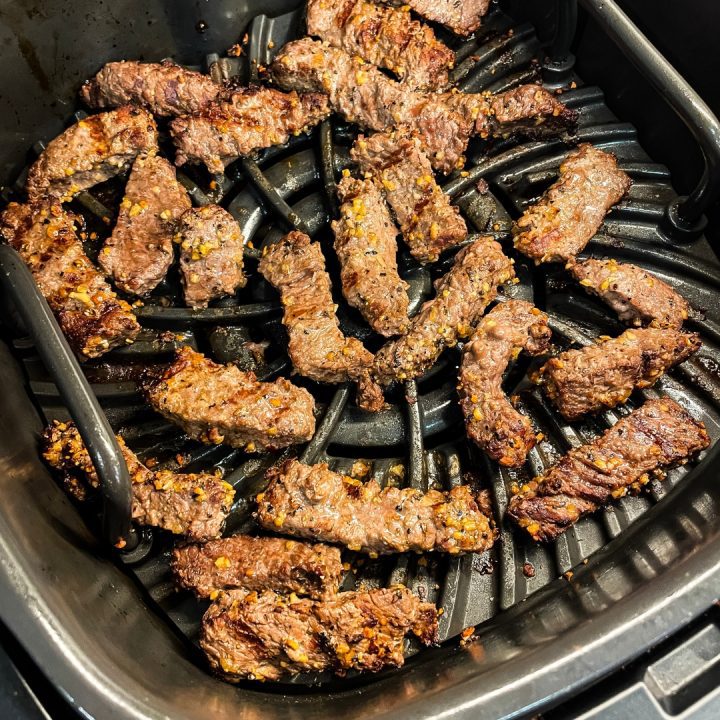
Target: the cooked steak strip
(656, 435)
(603, 375)
(162, 88)
(295, 266)
(529, 110)
(93, 319)
(429, 223)
(561, 224)
(211, 255)
(366, 247)
(222, 404)
(492, 422)
(314, 502)
(258, 563)
(264, 636)
(461, 297)
(365, 96)
(247, 120)
(461, 16)
(384, 36)
(139, 252)
(91, 151)
(637, 296)
(194, 505)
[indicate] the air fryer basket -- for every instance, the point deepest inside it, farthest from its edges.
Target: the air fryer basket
(650, 567)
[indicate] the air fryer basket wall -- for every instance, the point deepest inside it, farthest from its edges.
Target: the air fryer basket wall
(96, 635)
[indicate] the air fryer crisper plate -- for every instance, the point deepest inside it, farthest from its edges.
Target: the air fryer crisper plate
(420, 439)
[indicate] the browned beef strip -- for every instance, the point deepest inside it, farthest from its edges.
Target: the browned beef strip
(314, 502)
(91, 151)
(247, 120)
(194, 505)
(429, 223)
(492, 422)
(139, 252)
(384, 36)
(222, 404)
(637, 296)
(658, 434)
(264, 636)
(211, 254)
(258, 563)
(365, 245)
(461, 297)
(561, 224)
(529, 110)
(162, 88)
(461, 16)
(295, 266)
(603, 375)
(93, 319)
(365, 96)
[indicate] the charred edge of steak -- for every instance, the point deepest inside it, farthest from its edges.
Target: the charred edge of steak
(658, 434)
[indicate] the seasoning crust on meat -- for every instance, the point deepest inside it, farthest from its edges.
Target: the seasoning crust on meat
(461, 297)
(295, 266)
(265, 636)
(91, 151)
(429, 223)
(491, 421)
(247, 120)
(462, 17)
(384, 36)
(191, 504)
(366, 247)
(560, 225)
(258, 563)
(217, 404)
(139, 252)
(656, 435)
(637, 296)
(211, 255)
(363, 95)
(604, 375)
(314, 502)
(165, 88)
(92, 318)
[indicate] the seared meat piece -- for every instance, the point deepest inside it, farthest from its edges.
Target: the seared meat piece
(93, 319)
(429, 223)
(314, 502)
(603, 375)
(384, 36)
(265, 636)
(561, 224)
(529, 110)
(365, 245)
(658, 434)
(492, 422)
(211, 255)
(258, 563)
(461, 16)
(637, 296)
(365, 96)
(194, 505)
(295, 266)
(139, 252)
(91, 151)
(162, 88)
(222, 404)
(247, 120)
(460, 299)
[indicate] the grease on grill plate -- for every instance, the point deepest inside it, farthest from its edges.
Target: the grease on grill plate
(407, 471)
